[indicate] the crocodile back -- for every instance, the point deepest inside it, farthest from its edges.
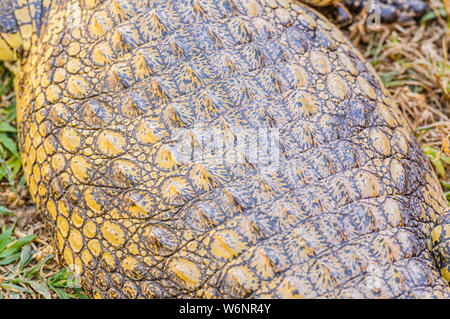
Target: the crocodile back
(314, 188)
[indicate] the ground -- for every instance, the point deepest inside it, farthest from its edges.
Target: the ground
(411, 59)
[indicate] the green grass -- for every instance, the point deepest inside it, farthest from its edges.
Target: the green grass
(10, 163)
(431, 15)
(25, 276)
(438, 158)
(5, 211)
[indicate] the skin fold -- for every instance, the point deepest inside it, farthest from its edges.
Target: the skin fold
(119, 102)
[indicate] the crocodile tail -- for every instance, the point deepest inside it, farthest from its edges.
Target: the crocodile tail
(20, 21)
(440, 236)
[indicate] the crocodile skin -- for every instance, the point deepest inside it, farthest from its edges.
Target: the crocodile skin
(347, 209)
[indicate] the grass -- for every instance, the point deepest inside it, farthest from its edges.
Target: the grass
(25, 276)
(439, 160)
(411, 60)
(9, 155)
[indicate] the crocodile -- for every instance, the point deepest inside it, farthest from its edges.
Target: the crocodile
(220, 149)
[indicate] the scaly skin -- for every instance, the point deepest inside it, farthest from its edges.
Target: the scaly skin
(352, 210)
